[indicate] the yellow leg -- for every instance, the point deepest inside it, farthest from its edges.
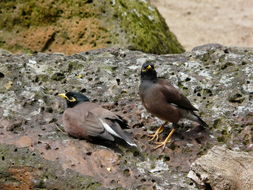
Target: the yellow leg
(157, 132)
(163, 144)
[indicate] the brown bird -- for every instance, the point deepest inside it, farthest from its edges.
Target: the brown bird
(164, 101)
(83, 119)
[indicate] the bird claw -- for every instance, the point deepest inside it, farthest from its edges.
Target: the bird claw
(156, 135)
(161, 144)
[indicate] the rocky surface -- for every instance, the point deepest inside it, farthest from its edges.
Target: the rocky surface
(81, 25)
(218, 80)
(23, 169)
(222, 169)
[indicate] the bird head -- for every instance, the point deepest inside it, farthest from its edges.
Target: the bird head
(148, 71)
(74, 98)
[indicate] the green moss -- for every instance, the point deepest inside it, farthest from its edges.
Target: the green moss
(74, 66)
(58, 76)
(217, 123)
(41, 78)
(146, 28)
(204, 149)
(225, 65)
(110, 68)
(222, 58)
(221, 139)
(207, 92)
(28, 13)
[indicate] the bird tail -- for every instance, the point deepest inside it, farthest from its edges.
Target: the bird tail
(115, 129)
(200, 121)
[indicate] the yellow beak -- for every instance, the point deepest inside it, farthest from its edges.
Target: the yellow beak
(63, 96)
(149, 67)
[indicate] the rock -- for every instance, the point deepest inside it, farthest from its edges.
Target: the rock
(11, 124)
(34, 172)
(209, 76)
(76, 26)
(223, 169)
(24, 141)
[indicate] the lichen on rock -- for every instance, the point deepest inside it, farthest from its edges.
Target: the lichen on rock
(31, 112)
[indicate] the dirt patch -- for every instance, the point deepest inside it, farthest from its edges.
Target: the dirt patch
(197, 22)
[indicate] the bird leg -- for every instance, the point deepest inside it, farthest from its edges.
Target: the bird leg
(163, 144)
(157, 132)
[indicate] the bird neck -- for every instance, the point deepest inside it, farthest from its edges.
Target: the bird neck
(151, 76)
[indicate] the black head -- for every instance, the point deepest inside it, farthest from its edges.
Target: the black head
(148, 71)
(74, 98)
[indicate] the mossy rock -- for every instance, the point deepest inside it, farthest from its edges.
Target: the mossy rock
(77, 25)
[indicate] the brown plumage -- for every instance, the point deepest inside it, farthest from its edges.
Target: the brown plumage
(83, 119)
(164, 101)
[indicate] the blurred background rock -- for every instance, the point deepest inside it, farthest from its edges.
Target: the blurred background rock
(80, 25)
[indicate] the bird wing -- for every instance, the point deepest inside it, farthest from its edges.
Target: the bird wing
(113, 124)
(81, 122)
(96, 126)
(93, 125)
(89, 119)
(173, 96)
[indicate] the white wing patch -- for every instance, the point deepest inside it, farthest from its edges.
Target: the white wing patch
(175, 105)
(109, 129)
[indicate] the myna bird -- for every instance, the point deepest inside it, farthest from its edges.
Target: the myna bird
(164, 101)
(83, 119)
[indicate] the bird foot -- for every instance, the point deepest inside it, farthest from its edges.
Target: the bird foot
(161, 144)
(156, 135)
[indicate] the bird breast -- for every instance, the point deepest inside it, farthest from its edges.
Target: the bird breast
(156, 104)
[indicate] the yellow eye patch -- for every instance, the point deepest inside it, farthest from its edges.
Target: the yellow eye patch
(72, 99)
